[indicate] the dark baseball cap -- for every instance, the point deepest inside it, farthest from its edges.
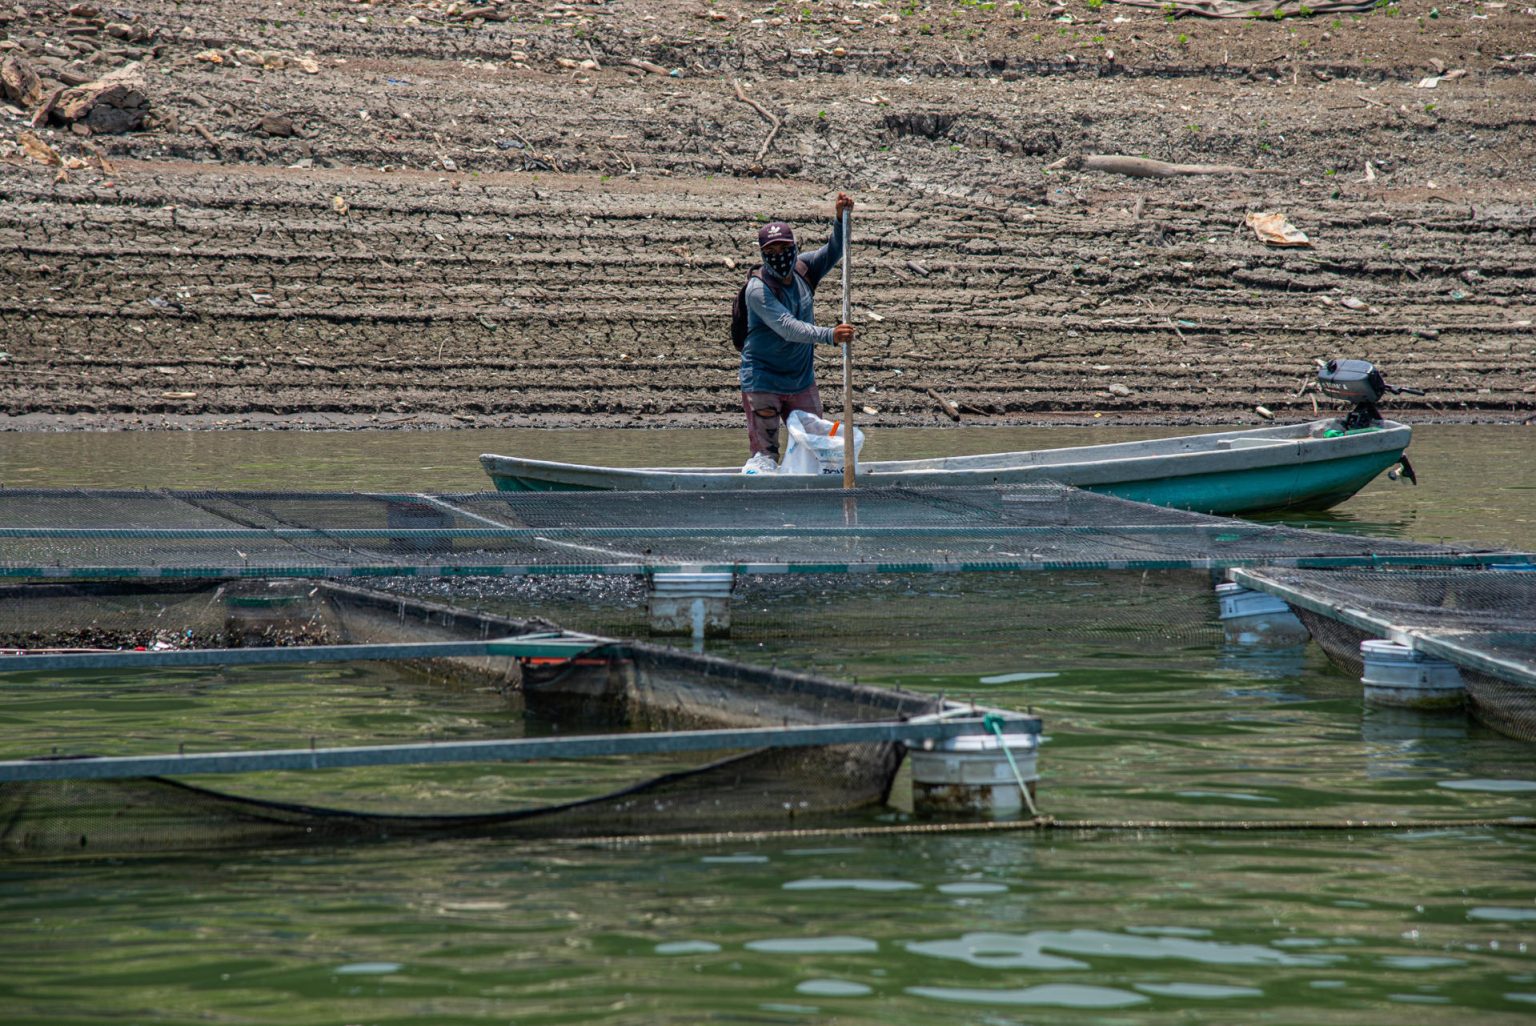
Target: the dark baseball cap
(776, 231)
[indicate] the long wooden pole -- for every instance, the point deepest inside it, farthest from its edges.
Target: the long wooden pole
(848, 455)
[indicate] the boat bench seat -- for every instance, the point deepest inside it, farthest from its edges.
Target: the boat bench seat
(1251, 443)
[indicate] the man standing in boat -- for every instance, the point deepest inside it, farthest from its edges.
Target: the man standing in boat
(778, 370)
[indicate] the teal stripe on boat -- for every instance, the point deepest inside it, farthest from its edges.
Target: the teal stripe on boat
(1304, 486)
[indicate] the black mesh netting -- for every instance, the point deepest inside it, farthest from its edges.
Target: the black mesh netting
(1339, 640)
(74, 532)
(126, 615)
(639, 687)
(760, 790)
(1073, 614)
(620, 687)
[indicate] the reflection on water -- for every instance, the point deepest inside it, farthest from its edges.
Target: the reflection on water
(1263, 662)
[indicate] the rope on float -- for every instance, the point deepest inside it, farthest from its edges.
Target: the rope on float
(993, 722)
(1050, 823)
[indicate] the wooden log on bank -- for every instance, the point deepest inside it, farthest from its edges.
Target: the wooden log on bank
(950, 409)
(1144, 167)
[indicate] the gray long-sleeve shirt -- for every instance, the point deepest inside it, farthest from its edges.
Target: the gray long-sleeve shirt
(778, 355)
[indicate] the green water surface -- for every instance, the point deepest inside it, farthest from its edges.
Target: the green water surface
(1149, 715)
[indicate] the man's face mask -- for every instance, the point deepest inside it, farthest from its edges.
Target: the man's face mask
(782, 262)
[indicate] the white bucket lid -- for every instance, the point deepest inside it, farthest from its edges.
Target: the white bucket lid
(1389, 652)
(990, 742)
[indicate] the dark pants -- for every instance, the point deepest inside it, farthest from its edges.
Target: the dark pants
(766, 410)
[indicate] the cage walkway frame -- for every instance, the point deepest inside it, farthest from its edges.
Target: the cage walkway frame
(930, 729)
(547, 646)
(1456, 642)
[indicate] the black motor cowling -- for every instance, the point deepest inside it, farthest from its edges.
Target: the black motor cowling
(1358, 382)
(1354, 381)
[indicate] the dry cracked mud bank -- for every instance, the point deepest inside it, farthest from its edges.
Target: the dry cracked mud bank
(536, 213)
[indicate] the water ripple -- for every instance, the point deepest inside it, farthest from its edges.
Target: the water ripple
(1502, 914)
(1032, 950)
(826, 884)
(1203, 991)
(833, 988)
(1058, 995)
(814, 946)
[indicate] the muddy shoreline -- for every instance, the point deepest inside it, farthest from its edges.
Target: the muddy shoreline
(48, 422)
(537, 216)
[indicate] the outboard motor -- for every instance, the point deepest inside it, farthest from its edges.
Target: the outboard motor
(1359, 382)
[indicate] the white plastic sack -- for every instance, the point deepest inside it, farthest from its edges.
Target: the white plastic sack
(814, 448)
(761, 463)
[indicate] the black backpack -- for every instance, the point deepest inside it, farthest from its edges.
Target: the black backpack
(739, 307)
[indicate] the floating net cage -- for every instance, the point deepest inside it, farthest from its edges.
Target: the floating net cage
(85, 534)
(1483, 621)
(957, 619)
(665, 740)
(520, 596)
